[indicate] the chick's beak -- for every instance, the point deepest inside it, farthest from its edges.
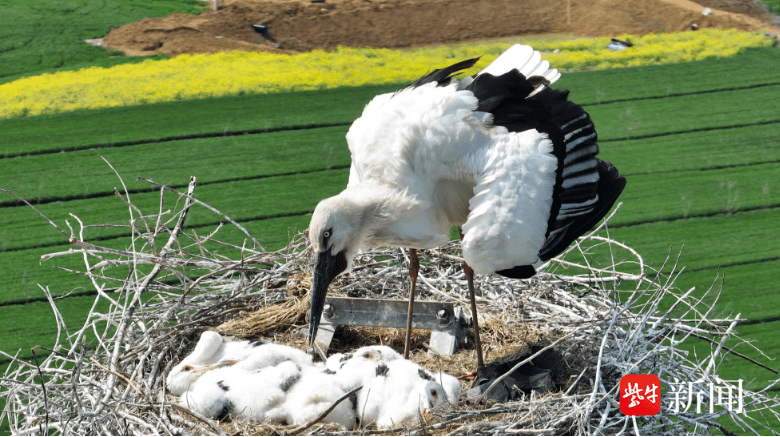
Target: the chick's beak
(327, 267)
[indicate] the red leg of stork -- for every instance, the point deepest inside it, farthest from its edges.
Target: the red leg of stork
(414, 267)
(477, 341)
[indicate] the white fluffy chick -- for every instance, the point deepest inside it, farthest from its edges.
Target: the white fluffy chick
(358, 371)
(210, 350)
(375, 353)
(311, 395)
(242, 393)
(387, 394)
(378, 353)
(423, 397)
(451, 385)
(208, 395)
(255, 395)
(271, 354)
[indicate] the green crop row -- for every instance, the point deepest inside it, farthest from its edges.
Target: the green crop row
(649, 197)
(23, 270)
(209, 159)
(243, 200)
(711, 242)
(705, 150)
(226, 115)
(636, 119)
(163, 121)
(695, 193)
(753, 67)
(32, 175)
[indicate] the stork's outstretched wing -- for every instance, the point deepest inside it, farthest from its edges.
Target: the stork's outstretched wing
(542, 185)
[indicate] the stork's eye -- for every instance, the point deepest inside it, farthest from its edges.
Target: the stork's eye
(326, 234)
(366, 355)
(186, 368)
(435, 393)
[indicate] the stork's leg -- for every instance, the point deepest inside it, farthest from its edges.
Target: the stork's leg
(477, 341)
(414, 267)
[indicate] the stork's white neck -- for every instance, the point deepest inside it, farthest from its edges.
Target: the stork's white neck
(393, 217)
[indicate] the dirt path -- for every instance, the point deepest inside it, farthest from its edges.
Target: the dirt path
(300, 25)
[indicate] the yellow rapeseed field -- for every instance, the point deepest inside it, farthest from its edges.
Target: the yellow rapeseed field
(222, 74)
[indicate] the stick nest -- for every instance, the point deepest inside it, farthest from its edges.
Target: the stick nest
(152, 303)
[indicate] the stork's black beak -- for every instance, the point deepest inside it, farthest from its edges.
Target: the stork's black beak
(327, 268)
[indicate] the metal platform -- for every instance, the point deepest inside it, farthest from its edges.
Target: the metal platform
(447, 323)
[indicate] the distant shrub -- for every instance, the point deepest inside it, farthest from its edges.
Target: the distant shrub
(234, 73)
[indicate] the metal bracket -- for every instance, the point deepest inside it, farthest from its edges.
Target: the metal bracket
(447, 322)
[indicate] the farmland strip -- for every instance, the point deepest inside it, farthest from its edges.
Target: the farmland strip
(53, 133)
(212, 159)
(649, 199)
(348, 122)
(711, 149)
(243, 201)
(690, 131)
(130, 143)
(689, 93)
(103, 194)
(95, 128)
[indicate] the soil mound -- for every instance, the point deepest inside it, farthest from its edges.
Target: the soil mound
(300, 25)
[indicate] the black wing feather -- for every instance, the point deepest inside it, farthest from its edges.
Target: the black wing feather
(442, 76)
(585, 186)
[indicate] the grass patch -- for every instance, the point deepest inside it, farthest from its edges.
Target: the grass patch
(48, 36)
(696, 193)
(705, 150)
(772, 5)
(23, 270)
(747, 289)
(26, 326)
(753, 67)
(647, 118)
(181, 120)
(210, 159)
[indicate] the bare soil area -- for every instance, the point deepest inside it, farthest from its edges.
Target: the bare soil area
(300, 25)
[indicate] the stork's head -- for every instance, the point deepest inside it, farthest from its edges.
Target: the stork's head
(336, 233)
(342, 225)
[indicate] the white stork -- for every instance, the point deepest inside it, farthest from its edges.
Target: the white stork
(508, 160)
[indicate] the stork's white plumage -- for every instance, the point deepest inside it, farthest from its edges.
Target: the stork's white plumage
(500, 154)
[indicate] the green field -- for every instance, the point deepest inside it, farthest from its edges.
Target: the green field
(45, 36)
(711, 167)
(699, 144)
